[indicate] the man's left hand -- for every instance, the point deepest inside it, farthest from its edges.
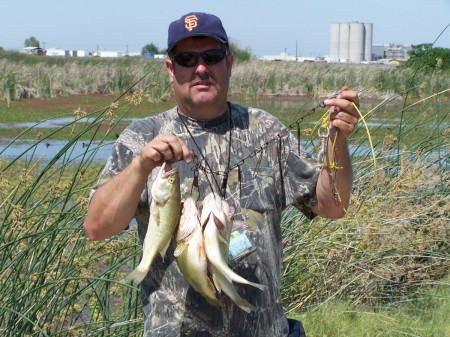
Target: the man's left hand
(343, 114)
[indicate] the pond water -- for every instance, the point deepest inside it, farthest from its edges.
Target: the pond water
(50, 123)
(49, 149)
(96, 151)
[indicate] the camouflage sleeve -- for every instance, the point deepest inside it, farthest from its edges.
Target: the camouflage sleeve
(300, 178)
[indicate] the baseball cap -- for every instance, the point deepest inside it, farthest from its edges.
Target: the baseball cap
(196, 24)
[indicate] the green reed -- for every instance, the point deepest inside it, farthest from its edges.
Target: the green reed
(54, 282)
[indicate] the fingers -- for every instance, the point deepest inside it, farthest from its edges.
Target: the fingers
(162, 148)
(343, 112)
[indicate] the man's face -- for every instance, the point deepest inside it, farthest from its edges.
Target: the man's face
(201, 87)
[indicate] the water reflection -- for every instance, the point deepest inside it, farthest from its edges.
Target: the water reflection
(96, 151)
(49, 149)
(49, 124)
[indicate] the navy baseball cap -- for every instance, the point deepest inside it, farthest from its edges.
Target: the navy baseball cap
(196, 24)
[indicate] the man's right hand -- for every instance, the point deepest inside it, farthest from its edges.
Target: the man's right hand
(162, 148)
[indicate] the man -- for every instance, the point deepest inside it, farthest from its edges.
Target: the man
(243, 154)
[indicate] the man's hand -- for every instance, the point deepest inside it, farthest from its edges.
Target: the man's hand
(162, 148)
(343, 115)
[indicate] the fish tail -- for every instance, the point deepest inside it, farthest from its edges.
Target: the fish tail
(244, 305)
(232, 276)
(257, 285)
(137, 275)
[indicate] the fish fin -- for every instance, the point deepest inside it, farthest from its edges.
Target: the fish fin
(137, 275)
(257, 285)
(223, 240)
(164, 250)
(244, 305)
(228, 288)
(216, 283)
(181, 246)
(156, 214)
(231, 276)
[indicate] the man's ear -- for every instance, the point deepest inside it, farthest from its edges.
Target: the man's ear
(170, 69)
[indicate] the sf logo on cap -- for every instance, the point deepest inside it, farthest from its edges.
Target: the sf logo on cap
(190, 22)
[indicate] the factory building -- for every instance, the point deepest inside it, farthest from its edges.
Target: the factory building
(351, 42)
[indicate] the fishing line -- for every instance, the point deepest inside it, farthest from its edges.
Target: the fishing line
(223, 186)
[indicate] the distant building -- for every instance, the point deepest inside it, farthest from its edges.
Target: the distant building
(351, 42)
(392, 51)
(58, 52)
(106, 53)
(291, 58)
(133, 54)
(281, 57)
(397, 51)
(35, 51)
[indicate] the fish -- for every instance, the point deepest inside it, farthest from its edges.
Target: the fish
(216, 220)
(164, 215)
(190, 253)
(222, 283)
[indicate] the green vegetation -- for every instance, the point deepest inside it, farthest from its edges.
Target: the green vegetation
(152, 49)
(28, 76)
(373, 273)
(424, 316)
(240, 55)
(32, 42)
(429, 59)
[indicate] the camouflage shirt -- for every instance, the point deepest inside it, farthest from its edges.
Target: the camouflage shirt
(268, 171)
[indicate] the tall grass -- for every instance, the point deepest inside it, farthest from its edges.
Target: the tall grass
(54, 282)
(44, 77)
(424, 316)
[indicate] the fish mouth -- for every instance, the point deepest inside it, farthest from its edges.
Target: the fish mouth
(167, 170)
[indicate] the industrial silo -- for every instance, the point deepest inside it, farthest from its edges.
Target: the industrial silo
(344, 39)
(334, 41)
(368, 30)
(356, 46)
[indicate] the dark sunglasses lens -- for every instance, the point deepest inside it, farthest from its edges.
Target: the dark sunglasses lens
(210, 57)
(186, 59)
(213, 56)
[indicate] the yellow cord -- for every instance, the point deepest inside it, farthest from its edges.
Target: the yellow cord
(374, 160)
(324, 123)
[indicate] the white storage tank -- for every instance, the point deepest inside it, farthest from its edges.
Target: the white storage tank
(368, 32)
(334, 42)
(344, 40)
(356, 47)
(351, 42)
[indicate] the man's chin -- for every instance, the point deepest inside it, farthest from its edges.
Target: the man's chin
(204, 97)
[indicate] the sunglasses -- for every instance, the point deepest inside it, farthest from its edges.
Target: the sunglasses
(190, 59)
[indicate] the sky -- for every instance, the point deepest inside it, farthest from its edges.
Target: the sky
(295, 27)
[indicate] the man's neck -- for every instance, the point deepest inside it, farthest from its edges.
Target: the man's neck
(203, 113)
